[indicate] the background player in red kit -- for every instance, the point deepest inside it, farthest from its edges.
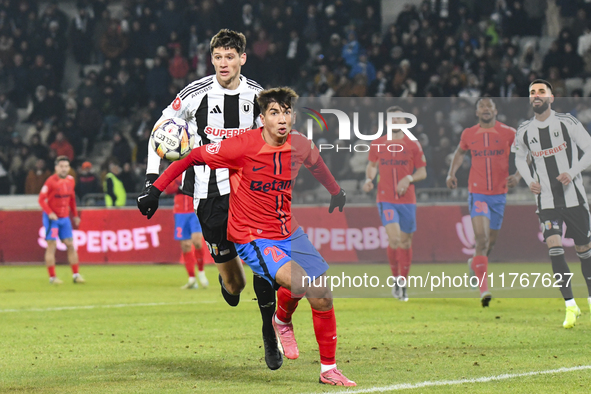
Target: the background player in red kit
(187, 230)
(263, 164)
(57, 199)
(489, 143)
(400, 162)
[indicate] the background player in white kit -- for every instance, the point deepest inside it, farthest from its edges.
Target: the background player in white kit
(553, 140)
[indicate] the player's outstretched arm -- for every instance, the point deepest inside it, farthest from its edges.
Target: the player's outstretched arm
(147, 201)
(452, 181)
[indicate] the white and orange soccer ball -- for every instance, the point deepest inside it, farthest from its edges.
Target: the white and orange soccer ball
(172, 139)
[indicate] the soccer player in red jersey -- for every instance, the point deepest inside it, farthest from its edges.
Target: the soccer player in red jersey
(187, 230)
(57, 199)
(400, 162)
(489, 143)
(264, 163)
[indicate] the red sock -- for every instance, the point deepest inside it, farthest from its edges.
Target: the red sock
(198, 253)
(480, 267)
(51, 270)
(189, 258)
(74, 268)
(393, 260)
(405, 258)
(325, 328)
(286, 304)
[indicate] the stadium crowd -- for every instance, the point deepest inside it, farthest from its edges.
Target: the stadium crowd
(149, 49)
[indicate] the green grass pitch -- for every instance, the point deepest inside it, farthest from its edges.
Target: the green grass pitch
(130, 329)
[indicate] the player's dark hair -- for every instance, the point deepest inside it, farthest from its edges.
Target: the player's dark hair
(61, 158)
(228, 39)
(282, 96)
(541, 81)
(485, 98)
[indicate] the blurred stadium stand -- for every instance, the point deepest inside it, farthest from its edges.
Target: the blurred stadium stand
(120, 55)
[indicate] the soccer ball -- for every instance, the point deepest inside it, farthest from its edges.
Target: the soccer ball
(172, 139)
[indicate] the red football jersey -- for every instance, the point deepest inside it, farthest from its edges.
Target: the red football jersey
(58, 196)
(261, 181)
(182, 202)
(490, 149)
(393, 166)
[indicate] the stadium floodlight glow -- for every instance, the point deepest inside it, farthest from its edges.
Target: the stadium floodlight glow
(345, 124)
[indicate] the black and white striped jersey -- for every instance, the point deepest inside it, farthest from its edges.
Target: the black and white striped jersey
(215, 113)
(557, 145)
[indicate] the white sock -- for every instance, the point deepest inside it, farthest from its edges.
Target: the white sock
(279, 321)
(191, 279)
(570, 303)
(75, 275)
(326, 367)
(589, 300)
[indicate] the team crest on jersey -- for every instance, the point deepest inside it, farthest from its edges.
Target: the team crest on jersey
(213, 148)
(246, 107)
(176, 104)
(556, 134)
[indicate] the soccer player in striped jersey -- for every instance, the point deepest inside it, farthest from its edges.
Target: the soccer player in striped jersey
(489, 143)
(187, 230)
(553, 141)
(57, 200)
(264, 163)
(400, 164)
(221, 106)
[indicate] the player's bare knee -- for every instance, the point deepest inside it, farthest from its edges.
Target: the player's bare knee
(394, 242)
(185, 246)
(321, 304)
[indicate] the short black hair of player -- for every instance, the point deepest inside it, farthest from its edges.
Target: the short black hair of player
(61, 158)
(485, 98)
(228, 39)
(541, 81)
(282, 96)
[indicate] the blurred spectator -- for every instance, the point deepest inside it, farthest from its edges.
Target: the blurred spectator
(62, 147)
(37, 177)
(39, 128)
(37, 148)
(110, 109)
(87, 181)
(81, 29)
(4, 180)
(571, 63)
(8, 118)
(178, 68)
(121, 149)
(41, 74)
(20, 75)
(129, 179)
(365, 68)
(89, 121)
(115, 194)
(157, 81)
(113, 43)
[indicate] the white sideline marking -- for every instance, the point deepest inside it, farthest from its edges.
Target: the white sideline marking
(407, 386)
(69, 308)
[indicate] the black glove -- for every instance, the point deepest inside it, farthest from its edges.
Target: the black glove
(338, 200)
(150, 179)
(147, 201)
